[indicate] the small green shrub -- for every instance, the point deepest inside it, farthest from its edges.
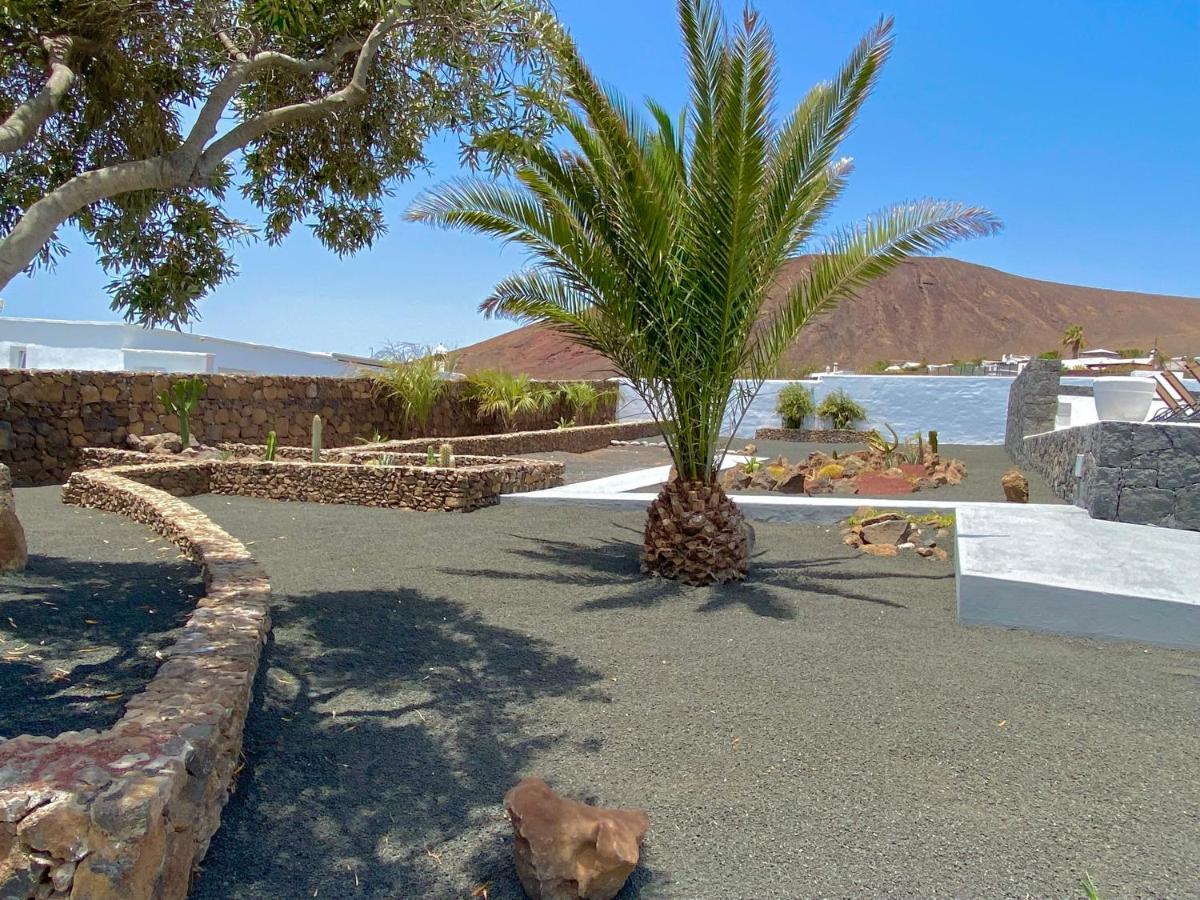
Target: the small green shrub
(565, 423)
(414, 385)
(752, 465)
(508, 397)
(375, 438)
(181, 399)
(583, 397)
(841, 411)
(795, 405)
(272, 442)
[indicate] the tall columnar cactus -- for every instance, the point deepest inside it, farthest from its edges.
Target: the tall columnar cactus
(933, 445)
(181, 399)
(272, 442)
(430, 456)
(316, 439)
(446, 456)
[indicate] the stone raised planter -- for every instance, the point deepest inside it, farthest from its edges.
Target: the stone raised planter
(811, 435)
(128, 812)
(474, 482)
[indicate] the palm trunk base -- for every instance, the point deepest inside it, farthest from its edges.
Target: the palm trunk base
(696, 534)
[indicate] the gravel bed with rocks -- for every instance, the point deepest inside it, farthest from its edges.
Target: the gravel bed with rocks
(826, 729)
(81, 626)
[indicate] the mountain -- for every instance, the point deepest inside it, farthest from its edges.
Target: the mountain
(927, 310)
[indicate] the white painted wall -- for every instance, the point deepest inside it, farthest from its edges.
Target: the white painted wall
(962, 409)
(117, 346)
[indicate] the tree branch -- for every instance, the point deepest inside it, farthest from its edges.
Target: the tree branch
(20, 127)
(231, 46)
(192, 162)
(353, 92)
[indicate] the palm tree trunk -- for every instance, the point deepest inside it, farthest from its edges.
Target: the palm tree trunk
(696, 534)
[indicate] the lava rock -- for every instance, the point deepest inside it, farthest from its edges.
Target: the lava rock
(567, 850)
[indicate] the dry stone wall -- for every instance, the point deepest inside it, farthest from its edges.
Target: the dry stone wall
(48, 417)
(1032, 405)
(129, 812)
(1146, 473)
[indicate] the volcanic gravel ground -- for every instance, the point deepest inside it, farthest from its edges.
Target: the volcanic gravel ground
(79, 628)
(825, 729)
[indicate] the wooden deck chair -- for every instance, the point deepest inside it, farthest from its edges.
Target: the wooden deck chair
(1192, 368)
(1182, 405)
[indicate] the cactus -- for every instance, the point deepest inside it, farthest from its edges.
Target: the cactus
(430, 456)
(272, 441)
(920, 460)
(316, 439)
(933, 447)
(181, 399)
(831, 471)
(446, 456)
(879, 444)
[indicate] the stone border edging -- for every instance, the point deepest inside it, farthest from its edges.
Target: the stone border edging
(129, 812)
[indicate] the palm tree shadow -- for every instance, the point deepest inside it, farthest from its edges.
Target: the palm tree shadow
(606, 562)
(386, 727)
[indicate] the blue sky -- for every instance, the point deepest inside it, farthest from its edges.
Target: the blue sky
(1077, 122)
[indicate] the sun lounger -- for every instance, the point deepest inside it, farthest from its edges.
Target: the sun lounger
(1181, 404)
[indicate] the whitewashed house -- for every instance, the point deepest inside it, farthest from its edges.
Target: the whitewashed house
(118, 346)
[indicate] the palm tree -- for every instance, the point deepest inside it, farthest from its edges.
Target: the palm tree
(1073, 338)
(655, 241)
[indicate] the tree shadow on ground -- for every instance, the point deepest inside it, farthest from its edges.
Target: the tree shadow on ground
(77, 638)
(385, 729)
(613, 562)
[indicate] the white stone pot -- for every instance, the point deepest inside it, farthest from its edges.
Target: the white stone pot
(1123, 398)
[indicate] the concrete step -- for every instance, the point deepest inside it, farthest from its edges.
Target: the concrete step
(1053, 568)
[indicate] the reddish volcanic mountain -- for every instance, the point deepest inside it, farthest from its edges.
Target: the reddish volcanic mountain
(931, 310)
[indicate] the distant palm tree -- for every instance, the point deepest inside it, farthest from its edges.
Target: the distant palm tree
(1073, 338)
(656, 242)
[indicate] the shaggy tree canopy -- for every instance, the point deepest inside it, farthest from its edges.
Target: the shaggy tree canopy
(134, 119)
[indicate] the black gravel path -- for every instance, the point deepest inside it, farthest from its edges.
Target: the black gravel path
(79, 628)
(824, 730)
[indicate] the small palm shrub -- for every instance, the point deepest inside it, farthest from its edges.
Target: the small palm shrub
(584, 398)
(415, 386)
(841, 411)
(508, 397)
(795, 405)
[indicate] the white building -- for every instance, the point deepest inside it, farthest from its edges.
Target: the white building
(117, 346)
